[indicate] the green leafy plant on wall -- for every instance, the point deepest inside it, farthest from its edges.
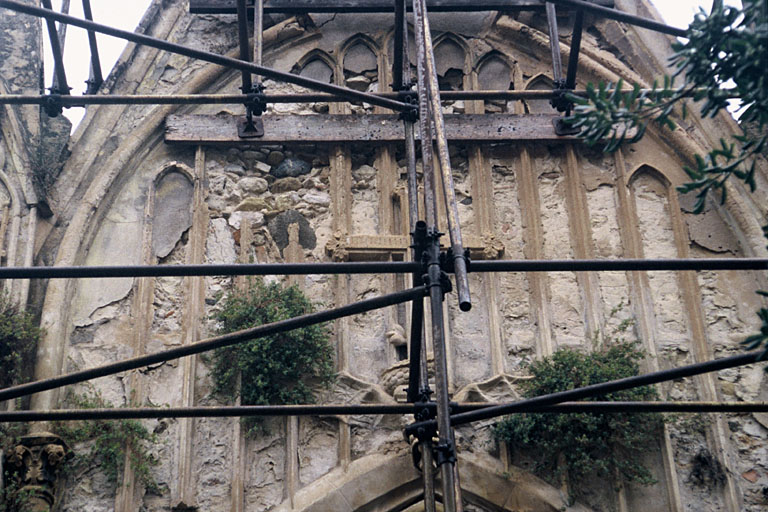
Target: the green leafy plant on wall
(585, 446)
(109, 442)
(19, 335)
(280, 369)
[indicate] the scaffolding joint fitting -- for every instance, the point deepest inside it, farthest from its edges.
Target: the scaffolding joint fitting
(448, 260)
(445, 452)
(256, 102)
(560, 100)
(52, 105)
(255, 105)
(410, 98)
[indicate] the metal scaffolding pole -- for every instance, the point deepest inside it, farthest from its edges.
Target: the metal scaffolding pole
(216, 99)
(60, 85)
(244, 44)
(213, 58)
(438, 126)
(573, 56)
(214, 343)
(617, 15)
(384, 267)
(370, 409)
(554, 45)
(96, 78)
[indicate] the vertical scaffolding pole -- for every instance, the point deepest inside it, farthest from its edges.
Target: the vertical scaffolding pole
(430, 113)
(245, 47)
(418, 379)
(258, 34)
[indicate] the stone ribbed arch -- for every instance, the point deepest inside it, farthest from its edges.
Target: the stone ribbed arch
(389, 483)
(112, 169)
(488, 64)
(316, 57)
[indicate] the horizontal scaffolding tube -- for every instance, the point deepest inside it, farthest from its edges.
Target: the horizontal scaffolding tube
(213, 58)
(369, 409)
(232, 99)
(214, 343)
(382, 267)
(607, 387)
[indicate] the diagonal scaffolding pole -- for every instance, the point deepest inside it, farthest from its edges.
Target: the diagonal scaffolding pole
(369, 409)
(432, 92)
(601, 389)
(214, 343)
(615, 14)
(96, 78)
(213, 58)
(60, 85)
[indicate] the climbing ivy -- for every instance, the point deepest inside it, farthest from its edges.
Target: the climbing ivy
(110, 441)
(273, 370)
(585, 446)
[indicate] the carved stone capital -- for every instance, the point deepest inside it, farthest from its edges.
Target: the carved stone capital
(33, 467)
(337, 247)
(493, 248)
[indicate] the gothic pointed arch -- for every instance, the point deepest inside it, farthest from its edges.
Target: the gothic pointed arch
(452, 61)
(540, 82)
(391, 483)
(316, 64)
(494, 71)
(360, 63)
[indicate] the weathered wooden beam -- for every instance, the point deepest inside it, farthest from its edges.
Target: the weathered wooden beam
(317, 6)
(372, 128)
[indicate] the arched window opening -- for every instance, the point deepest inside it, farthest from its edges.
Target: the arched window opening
(494, 74)
(540, 83)
(317, 69)
(450, 60)
(361, 68)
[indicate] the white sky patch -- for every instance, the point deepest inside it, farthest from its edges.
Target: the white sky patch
(126, 15)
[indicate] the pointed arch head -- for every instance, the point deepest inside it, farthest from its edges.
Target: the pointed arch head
(540, 82)
(389, 483)
(316, 64)
(359, 59)
(451, 61)
(389, 44)
(651, 172)
(494, 72)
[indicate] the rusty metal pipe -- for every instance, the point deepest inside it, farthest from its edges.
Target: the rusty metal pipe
(449, 191)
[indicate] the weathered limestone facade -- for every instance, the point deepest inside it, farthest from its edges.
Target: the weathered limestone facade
(125, 197)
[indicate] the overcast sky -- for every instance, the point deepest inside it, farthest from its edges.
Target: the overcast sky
(127, 14)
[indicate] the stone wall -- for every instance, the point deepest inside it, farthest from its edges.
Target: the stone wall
(127, 198)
